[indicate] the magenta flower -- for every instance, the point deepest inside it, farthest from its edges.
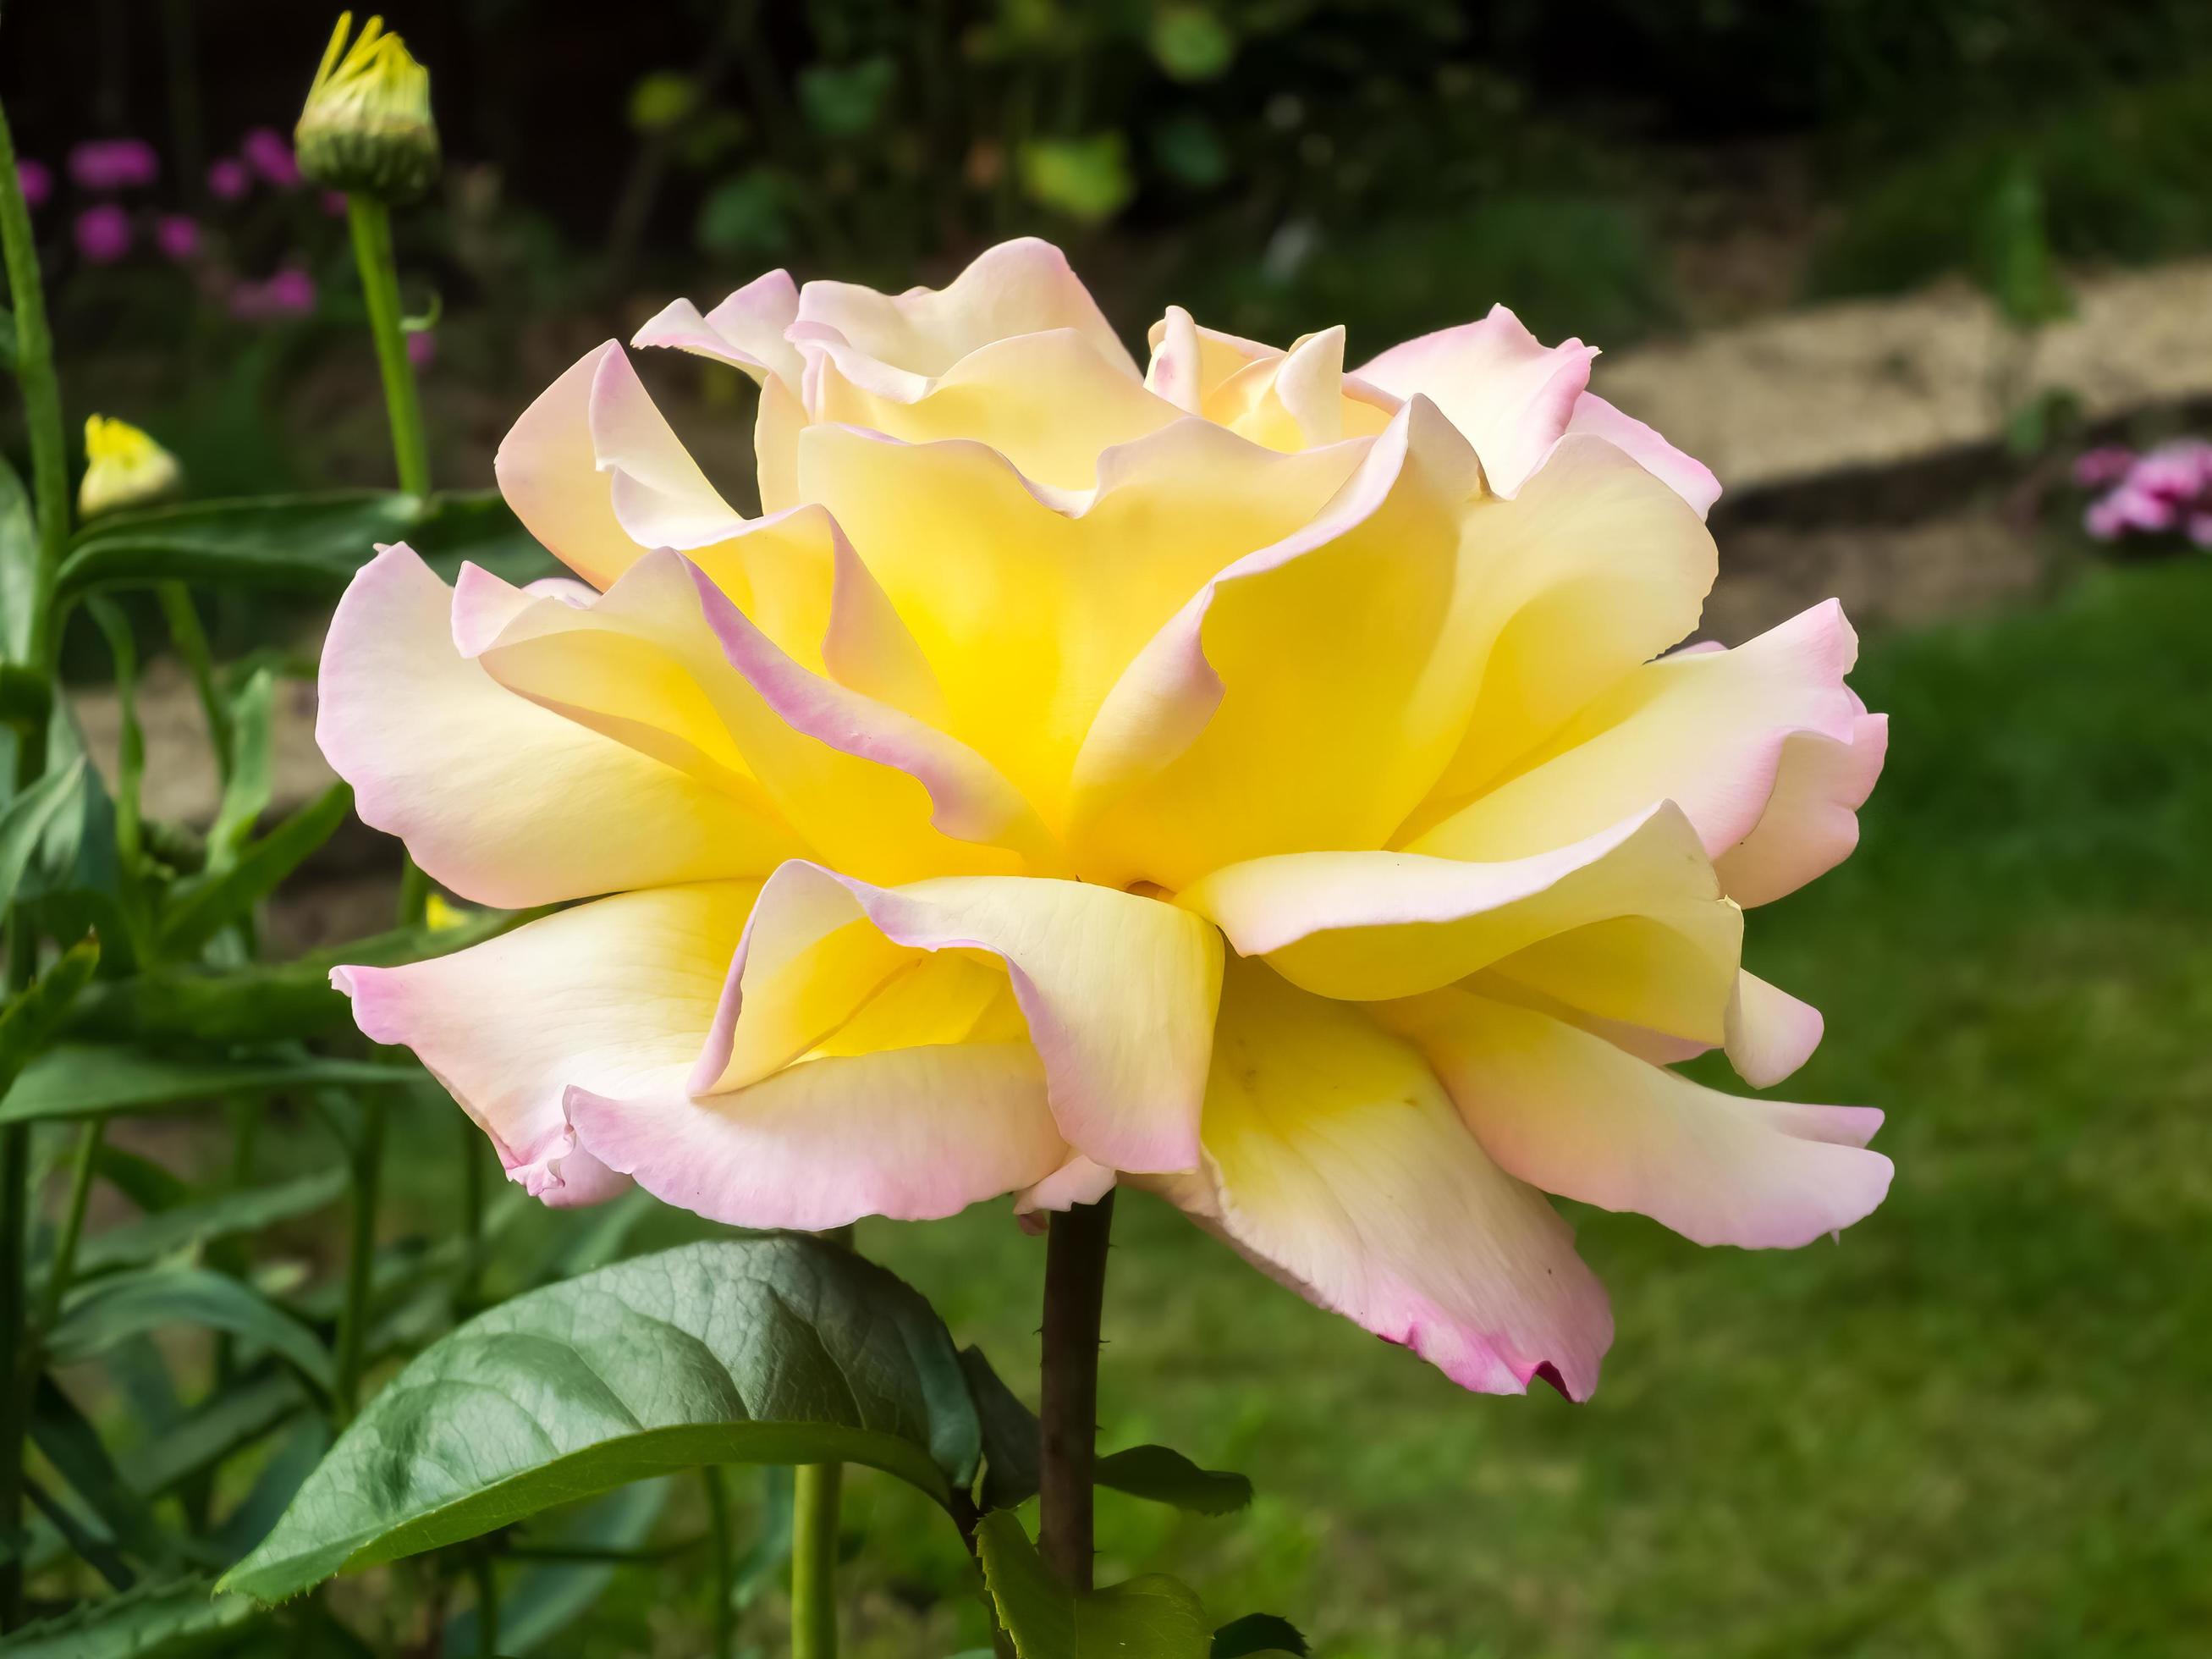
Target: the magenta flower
(268, 155)
(227, 179)
(421, 348)
(36, 180)
(334, 203)
(177, 236)
(2156, 493)
(103, 164)
(2095, 469)
(103, 233)
(289, 292)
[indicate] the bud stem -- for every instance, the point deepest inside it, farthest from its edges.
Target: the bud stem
(1075, 1302)
(380, 285)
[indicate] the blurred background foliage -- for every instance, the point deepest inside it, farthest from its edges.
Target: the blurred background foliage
(1611, 169)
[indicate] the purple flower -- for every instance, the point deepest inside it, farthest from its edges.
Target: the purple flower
(289, 292)
(227, 180)
(421, 348)
(103, 164)
(177, 236)
(268, 155)
(334, 203)
(2093, 468)
(103, 233)
(36, 180)
(2175, 472)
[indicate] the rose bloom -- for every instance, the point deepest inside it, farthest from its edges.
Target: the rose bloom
(1264, 785)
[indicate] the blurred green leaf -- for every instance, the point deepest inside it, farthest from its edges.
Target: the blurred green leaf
(200, 906)
(1189, 151)
(1258, 1632)
(188, 1226)
(19, 565)
(1010, 1434)
(30, 1021)
(660, 99)
(2018, 266)
(275, 1488)
(847, 101)
(544, 1599)
(252, 782)
(762, 1565)
(769, 1349)
(1168, 1477)
(31, 820)
(1155, 1617)
(745, 214)
(72, 1447)
(1086, 179)
(85, 1079)
(1192, 43)
(153, 1621)
(229, 1420)
(109, 1310)
(297, 541)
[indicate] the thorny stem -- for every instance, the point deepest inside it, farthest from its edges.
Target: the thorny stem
(1074, 1299)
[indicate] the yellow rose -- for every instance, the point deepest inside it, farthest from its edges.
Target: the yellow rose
(1255, 782)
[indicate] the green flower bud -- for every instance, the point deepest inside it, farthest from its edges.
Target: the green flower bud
(367, 128)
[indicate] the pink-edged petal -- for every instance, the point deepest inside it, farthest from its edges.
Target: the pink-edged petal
(1021, 287)
(1189, 361)
(1686, 476)
(745, 330)
(1569, 1112)
(1509, 394)
(1078, 1181)
(550, 474)
(601, 996)
(1705, 730)
(1117, 992)
(1810, 824)
(503, 801)
(657, 492)
(911, 1133)
(1769, 1033)
(1370, 925)
(1336, 1162)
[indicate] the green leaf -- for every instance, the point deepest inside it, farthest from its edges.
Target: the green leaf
(1010, 1434)
(202, 905)
(84, 1079)
(27, 701)
(762, 1565)
(190, 1225)
(30, 1021)
(848, 100)
(1150, 1618)
(19, 561)
(72, 1446)
(252, 781)
(1087, 179)
(128, 1304)
(30, 820)
(153, 1621)
(1258, 1632)
(745, 214)
(314, 541)
(544, 1601)
(1192, 43)
(233, 1418)
(1169, 1477)
(770, 1349)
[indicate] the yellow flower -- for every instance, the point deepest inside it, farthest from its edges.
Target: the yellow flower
(367, 128)
(441, 915)
(1264, 783)
(124, 467)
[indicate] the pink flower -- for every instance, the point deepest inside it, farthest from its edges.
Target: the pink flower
(289, 292)
(113, 164)
(334, 203)
(2093, 468)
(177, 236)
(103, 233)
(268, 155)
(2200, 528)
(2174, 471)
(421, 348)
(36, 180)
(227, 179)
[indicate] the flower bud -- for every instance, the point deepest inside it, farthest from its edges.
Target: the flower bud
(124, 467)
(367, 128)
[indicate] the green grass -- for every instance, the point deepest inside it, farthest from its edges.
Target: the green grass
(1976, 1426)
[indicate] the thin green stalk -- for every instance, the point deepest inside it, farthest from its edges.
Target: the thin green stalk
(33, 366)
(360, 1257)
(380, 284)
(63, 1262)
(192, 642)
(465, 1282)
(483, 1569)
(814, 1561)
(717, 1533)
(1068, 1406)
